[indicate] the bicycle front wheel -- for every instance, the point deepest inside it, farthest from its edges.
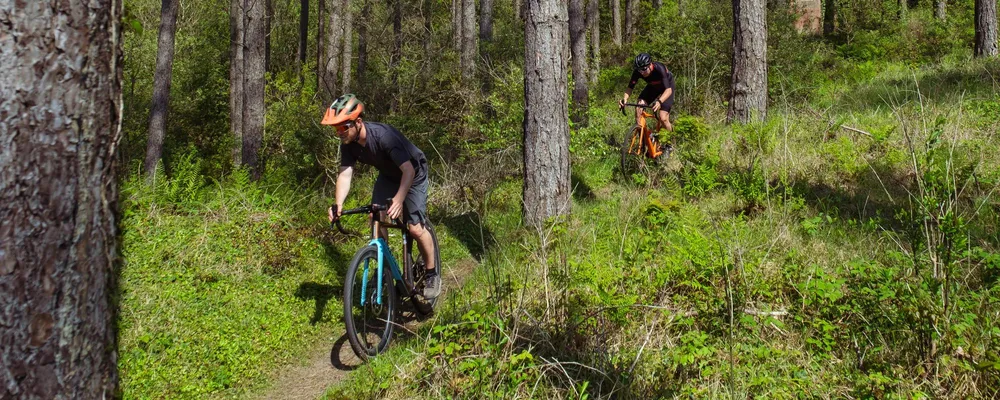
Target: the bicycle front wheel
(369, 325)
(633, 152)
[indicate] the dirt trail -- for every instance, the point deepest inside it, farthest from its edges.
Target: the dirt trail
(329, 366)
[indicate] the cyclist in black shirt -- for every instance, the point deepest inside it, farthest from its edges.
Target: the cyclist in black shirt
(402, 174)
(659, 90)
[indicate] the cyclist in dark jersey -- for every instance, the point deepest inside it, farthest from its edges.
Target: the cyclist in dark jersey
(659, 90)
(402, 174)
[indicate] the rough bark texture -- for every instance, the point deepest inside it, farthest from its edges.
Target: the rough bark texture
(486, 20)
(303, 36)
(331, 54)
(630, 14)
(456, 24)
(470, 46)
(237, 18)
(616, 22)
(578, 49)
(829, 16)
(253, 85)
(939, 9)
(546, 129)
(594, 24)
(161, 86)
(348, 36)
(366, 12)
(748, 92)
(60, 123)
(986, 28)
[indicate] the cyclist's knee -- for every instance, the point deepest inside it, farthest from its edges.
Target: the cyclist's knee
(416, 230)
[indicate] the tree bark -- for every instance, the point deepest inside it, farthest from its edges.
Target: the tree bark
(486, 20)
(237, 19)
(594, 24)
(269, 15)
(630, 14)
(303, 37)
(578, 49)
(331, 62)
(546, 129)
(347, 61)
(616, 22)
(60, 124)
(901, 11)
(320, 50)
(939, 10)
(397, 51)
(253, 86)
(161, 86)
(470, 46)
(748, 93)
(829, 17)
(657, 4)
(986, 28)
(366, 12)
(457, 14)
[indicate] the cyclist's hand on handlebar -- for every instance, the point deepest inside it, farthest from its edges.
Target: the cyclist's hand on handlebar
(395, 208)
(334, 216)
(621, 103)
(656, 106)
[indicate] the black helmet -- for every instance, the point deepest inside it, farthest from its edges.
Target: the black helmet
(641, 61)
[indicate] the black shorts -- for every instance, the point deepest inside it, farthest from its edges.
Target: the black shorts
(415, 205)
(650, 94)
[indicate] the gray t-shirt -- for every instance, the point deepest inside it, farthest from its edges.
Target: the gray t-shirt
(385, 149)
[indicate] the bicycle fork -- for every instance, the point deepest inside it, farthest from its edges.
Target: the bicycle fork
(381, 245)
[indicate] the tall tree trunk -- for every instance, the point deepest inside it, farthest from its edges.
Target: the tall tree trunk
(594, 24)
(331, 62)
(269, 15)
(578, 49)
(253, 86)
(303, 38)
(486, 20)
(986, 28)
(546, 130)
(320, 50)
(939, 10)
(630, 14)
(616, 22)
(470, 47)
(60, 124)
(397, 51)
(657, 4)
(366, 12)
(457, 14)
(347, 61)
(237, 19)
(829, 17)
(748, 93)
(902, 9)
(161, 86)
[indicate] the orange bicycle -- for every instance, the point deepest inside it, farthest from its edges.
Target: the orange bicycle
(640, 143)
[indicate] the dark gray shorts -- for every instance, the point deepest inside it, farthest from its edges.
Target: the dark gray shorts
(415, 205)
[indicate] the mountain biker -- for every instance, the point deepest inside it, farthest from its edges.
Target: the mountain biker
(659, 90)
(402, 174)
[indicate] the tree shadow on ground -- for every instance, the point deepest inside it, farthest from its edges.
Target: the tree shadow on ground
(581, 190)
(470, 230)
(321, 293)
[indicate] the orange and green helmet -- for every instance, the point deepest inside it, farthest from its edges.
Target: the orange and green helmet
(345, 108)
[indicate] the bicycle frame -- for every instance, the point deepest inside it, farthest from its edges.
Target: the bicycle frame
(384, 254)
(646, 139)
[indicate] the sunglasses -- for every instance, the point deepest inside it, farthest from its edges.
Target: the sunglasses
(344, 127)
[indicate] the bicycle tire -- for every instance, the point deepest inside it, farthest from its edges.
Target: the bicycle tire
(414, 277)
(381, 319)
(630, 162)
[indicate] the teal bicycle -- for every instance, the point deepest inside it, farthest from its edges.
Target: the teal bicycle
(376, 282)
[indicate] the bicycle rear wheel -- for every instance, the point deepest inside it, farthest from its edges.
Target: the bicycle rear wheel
(632, 152)
(369, 326)
(418, 269)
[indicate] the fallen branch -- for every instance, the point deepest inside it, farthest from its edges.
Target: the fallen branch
(856, 130)
(756, 312)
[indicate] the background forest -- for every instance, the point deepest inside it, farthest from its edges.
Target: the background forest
(843, 244)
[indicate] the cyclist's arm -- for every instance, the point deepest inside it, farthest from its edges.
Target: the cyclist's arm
(665, 95)
(343, 186)
(405, 181)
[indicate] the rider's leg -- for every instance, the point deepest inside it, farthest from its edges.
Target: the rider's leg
(424, 242)
(664, 117)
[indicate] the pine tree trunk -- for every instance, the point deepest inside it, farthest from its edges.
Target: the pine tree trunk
(578, 49)
(60, 124)
(748, 93)
(829, 17)
(939, 10)
(161, 86)
(347, 61)
(237, 19)
(303, 38)
(457, 14)
(253, 86)
(486, 21)
(397, 51)
(630, 14)
(546, 130)
(986, 28)
(616, 22)
(594, 24)
(470, 47)
(320, 50)
(331, 62)
(657, 4)
(366, 12)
